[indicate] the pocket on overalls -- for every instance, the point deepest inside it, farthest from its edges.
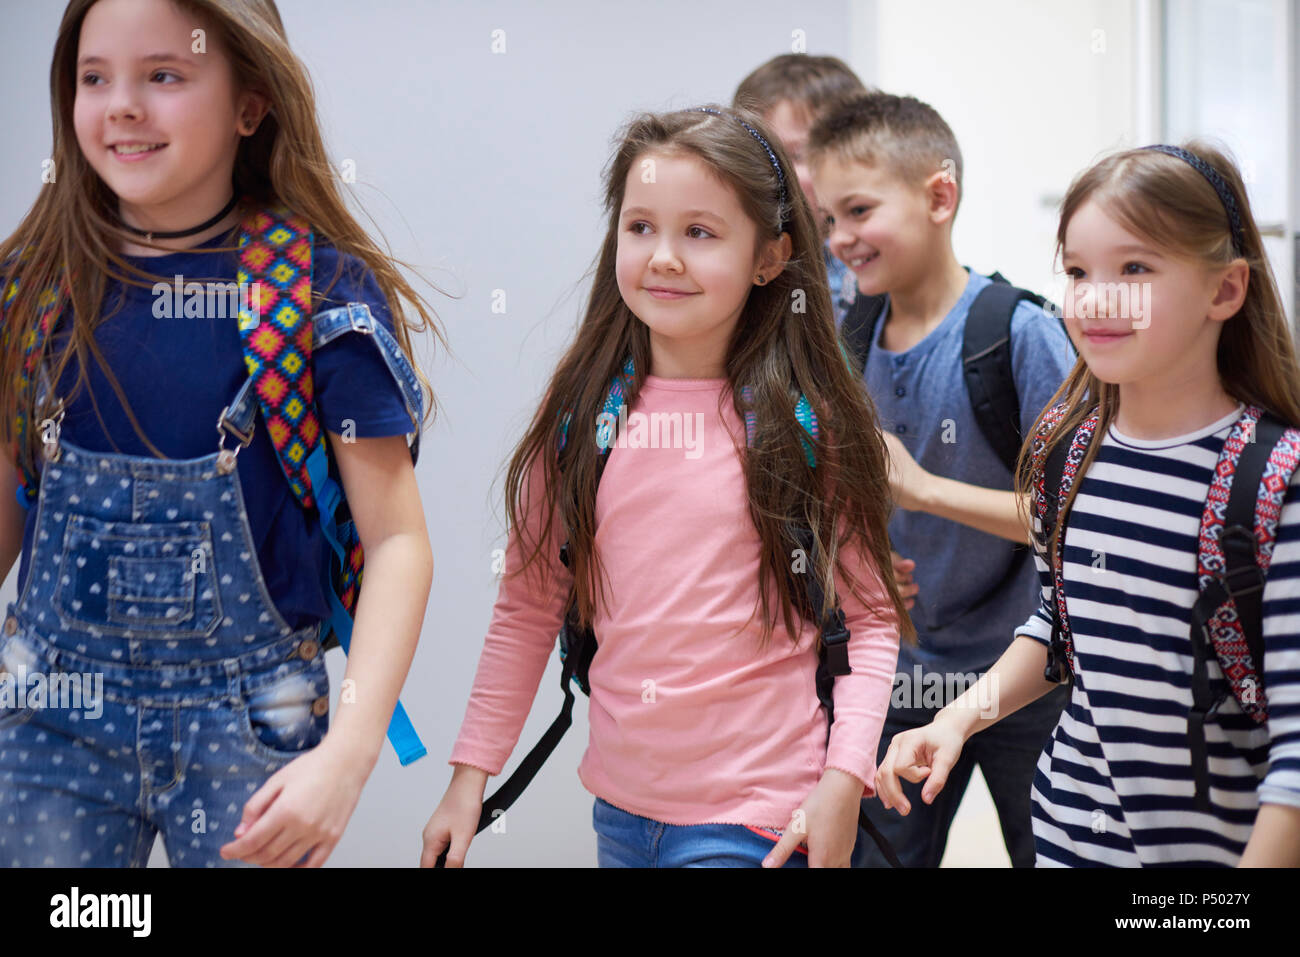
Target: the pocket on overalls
(287, 715)
(141, 577)
(18, 661)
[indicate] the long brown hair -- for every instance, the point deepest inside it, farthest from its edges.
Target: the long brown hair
(1167, 201)
(68, 239)
(784, 344)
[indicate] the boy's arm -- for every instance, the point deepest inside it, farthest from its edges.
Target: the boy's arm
(1041, 358)
(990, 510)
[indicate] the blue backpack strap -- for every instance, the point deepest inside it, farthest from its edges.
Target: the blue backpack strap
(341, 536)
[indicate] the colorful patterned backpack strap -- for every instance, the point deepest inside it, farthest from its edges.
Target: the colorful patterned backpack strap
(49, 306)
(275, 252)
(1234, 627)
(803, 411)
(1053, 458)
(1235, 547)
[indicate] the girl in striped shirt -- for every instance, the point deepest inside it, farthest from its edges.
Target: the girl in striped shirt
(1179, 328)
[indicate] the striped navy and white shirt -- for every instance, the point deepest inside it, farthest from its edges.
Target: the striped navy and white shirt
(1114, 785)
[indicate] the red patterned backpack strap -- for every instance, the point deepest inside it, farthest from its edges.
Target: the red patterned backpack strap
(1244, 523)
(1056, 464)
(1235, 547)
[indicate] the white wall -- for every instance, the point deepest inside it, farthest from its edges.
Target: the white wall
(484, 170)
(1034, 90)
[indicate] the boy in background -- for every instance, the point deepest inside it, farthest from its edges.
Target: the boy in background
(790, 92)
(887, 171)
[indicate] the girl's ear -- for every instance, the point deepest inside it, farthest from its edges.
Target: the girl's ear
(776, 253)
(253, 107)
(1230, 292)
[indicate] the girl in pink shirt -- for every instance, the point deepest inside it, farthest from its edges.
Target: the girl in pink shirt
(710, 314)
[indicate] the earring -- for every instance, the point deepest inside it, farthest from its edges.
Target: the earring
(760, 280)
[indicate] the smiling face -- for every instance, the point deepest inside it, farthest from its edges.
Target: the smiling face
(1138, 315)
(158, 122)
(880, 225)
(686, 261)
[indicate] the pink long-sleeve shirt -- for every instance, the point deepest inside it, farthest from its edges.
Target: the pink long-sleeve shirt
(691, 723)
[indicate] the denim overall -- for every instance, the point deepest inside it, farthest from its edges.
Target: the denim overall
(144, 584)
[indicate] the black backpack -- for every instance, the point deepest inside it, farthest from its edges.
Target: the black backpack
(986, 367)
(985, 357)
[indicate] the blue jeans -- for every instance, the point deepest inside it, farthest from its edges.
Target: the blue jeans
(1007, 754)
(148, 685)
(624, 839)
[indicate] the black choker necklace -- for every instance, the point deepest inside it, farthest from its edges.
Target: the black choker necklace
(182, 233)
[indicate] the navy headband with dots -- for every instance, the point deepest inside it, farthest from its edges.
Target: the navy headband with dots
(780, 177)
(1217, 181)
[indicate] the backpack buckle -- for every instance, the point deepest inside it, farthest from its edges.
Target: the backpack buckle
(835, 639)
(359, 318)
(1245, 578)
(226, 457)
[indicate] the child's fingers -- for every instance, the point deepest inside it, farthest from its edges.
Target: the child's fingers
(295, 853)
(459, 847)
(941, 763)
(435, 842)
(784, 848)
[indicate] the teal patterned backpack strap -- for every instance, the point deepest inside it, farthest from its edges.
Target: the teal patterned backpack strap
(618, 387)
(803, 411)
(605, 422)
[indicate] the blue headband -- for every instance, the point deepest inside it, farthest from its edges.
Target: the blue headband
(1216, 180)
(780, 177)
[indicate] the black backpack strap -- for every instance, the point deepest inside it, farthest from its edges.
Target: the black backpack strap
(832, 661)
(859, 327)
(509, 792)
(577, 648)
(986, 367)
(1243, 582)
(1058, 667)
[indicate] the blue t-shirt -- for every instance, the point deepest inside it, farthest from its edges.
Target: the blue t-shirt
(179, 373)
(964, 621)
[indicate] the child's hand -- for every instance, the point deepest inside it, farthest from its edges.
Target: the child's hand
(928, 752)
(903, 575)
(827, 822)
(302, 807)
(455, 821)
(907, 480)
